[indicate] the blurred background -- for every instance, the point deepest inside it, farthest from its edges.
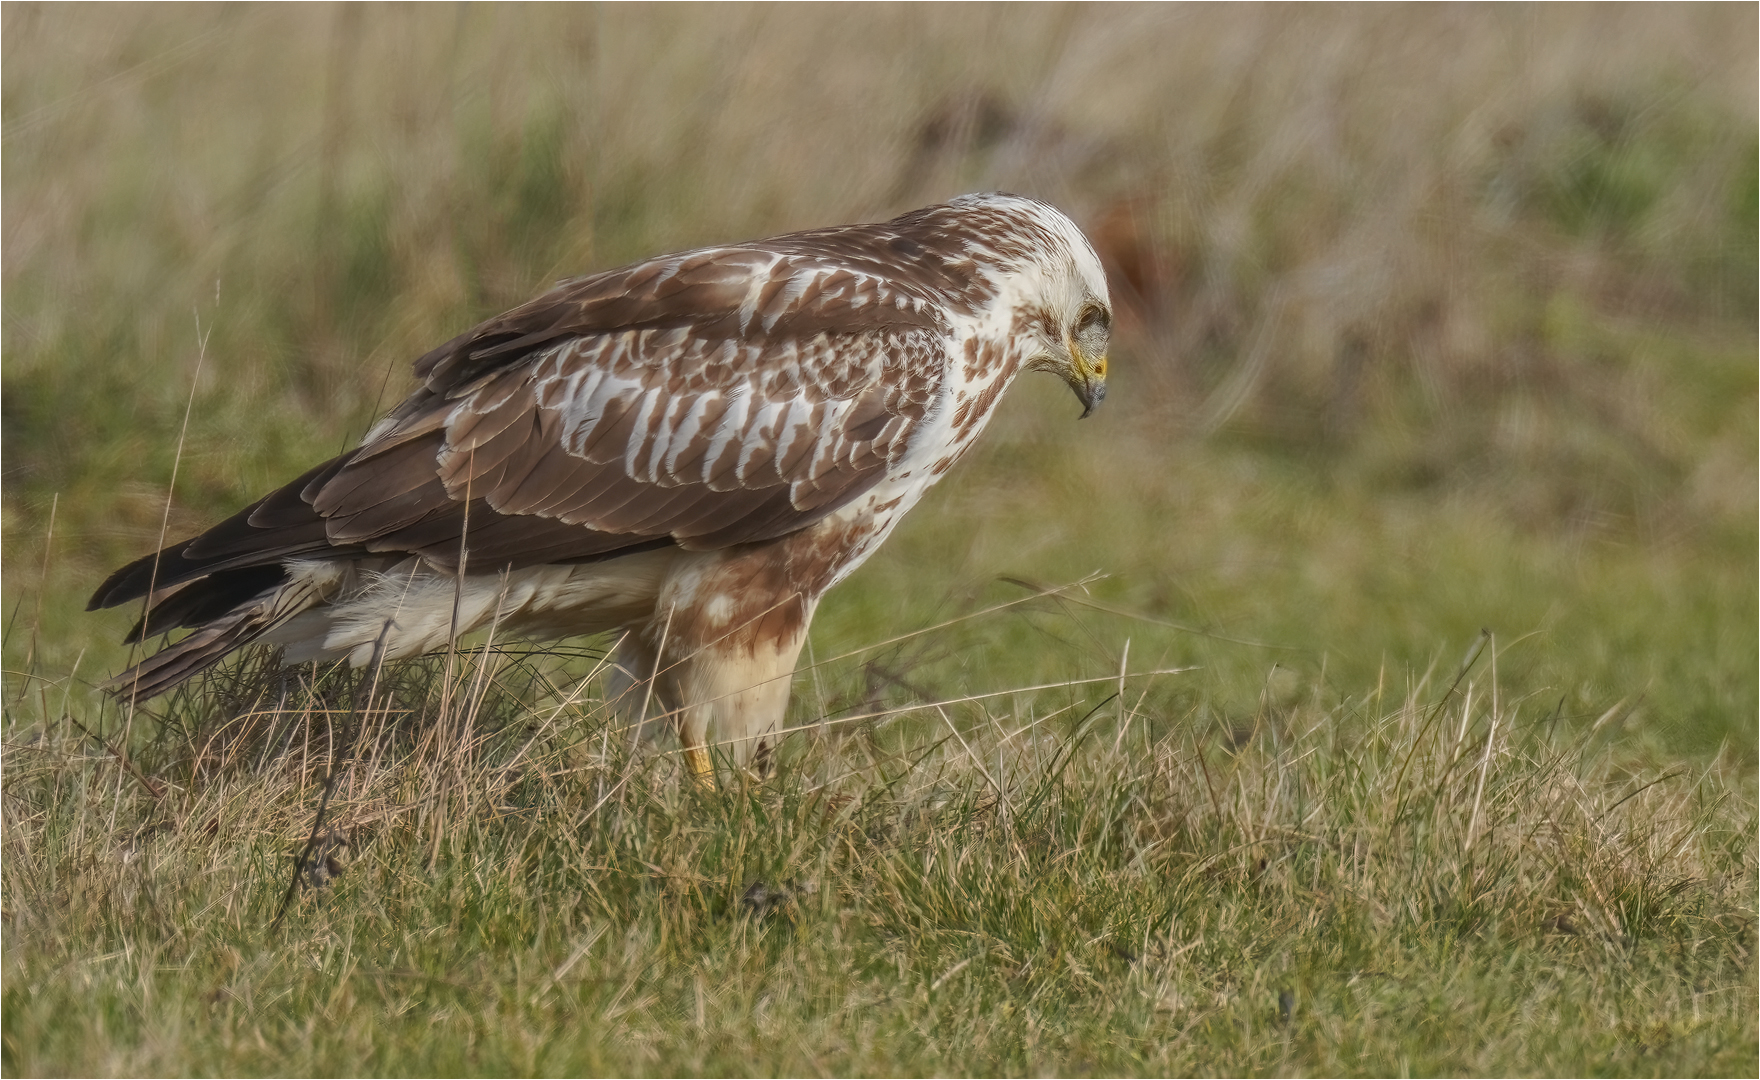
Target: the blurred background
(1431, 318)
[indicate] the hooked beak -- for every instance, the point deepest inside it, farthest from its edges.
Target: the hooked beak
(1089, 383)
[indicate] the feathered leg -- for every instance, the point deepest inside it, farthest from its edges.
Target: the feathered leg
(727, 650)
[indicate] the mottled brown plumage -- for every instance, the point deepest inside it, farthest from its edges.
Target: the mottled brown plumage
(692, 448)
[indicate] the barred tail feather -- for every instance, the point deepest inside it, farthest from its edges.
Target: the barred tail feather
(212, 642)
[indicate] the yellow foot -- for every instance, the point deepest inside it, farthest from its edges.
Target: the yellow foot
(702, 768)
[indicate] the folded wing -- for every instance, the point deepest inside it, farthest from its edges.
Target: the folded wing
(717, 397)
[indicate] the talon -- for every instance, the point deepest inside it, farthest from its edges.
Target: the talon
(702, 769)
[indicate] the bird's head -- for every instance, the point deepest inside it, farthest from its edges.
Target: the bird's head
(1055, 294)
(1079, 354)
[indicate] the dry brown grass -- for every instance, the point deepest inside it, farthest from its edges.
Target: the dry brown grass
(1438, 877)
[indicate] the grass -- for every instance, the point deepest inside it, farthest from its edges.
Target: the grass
(1431, 879)
(1432, 322)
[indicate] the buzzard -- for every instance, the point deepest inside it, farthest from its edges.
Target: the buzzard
(690, 449)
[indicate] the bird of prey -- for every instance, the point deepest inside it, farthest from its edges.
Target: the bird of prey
(690, 450)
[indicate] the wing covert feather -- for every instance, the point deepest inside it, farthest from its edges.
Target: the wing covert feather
(720, 397)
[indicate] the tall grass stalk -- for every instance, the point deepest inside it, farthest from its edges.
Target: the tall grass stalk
(1307, 893)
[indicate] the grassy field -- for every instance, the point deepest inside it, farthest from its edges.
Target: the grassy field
(1369, 688)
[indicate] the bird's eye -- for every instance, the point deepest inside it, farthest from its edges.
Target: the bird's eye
(1093, 329)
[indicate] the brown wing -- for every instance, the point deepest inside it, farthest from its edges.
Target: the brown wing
(717, 397)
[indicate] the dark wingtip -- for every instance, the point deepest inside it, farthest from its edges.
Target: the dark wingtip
(119, 587)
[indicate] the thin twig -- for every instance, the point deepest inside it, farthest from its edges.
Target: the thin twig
(335, 772)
